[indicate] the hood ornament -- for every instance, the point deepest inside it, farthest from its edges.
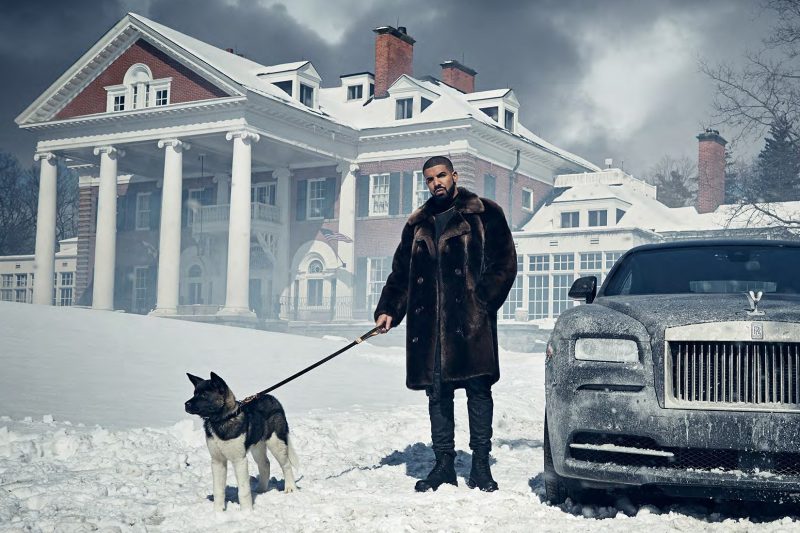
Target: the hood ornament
(754, 298)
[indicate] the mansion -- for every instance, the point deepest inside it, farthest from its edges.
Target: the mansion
(219, 189)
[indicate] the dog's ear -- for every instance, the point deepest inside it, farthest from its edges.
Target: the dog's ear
(194, 379)
(218, 382)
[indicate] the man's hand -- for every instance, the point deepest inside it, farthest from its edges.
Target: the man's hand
(384, 322)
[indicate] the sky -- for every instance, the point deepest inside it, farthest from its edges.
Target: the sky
(613, 79)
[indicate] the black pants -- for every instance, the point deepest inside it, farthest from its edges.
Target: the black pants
(479, 407)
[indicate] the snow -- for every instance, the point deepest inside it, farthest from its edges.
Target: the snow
(93, 436)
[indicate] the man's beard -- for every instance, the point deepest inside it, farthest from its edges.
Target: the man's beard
(447, 197)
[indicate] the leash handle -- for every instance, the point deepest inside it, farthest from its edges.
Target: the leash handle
(371, 333)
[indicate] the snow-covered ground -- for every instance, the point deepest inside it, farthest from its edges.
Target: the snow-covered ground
(93, 437)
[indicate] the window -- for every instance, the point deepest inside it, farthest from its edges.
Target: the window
(8, 280)
(611, 258)
(315, 267)
(538, 296)
(563, 261)
(306, 95)
(66, 279)
(403, 108)
(6, 295)
(316, 199)
(424, 103)
(65, 296)
(195, 285)
(378, 269)
(22, 280)
(162, 97)
(491, 111)
(355, 92)
(193, 204)
(620, 214)
(372, 89)
(135, 96)
(379, 194)
(140, 289)
(315, 292)
(509, 123)
(489, 186)
(285, 86)
(539, 263)
(514, 299)
(570, 219)
(143, 211)
(21, 296)
(527, 199)
(598, 218)
(421, 191)
(263, 193)
(119, 103)
(561, 299)
(592, 261)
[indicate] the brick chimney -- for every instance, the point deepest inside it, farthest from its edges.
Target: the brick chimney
(394, 54)
(710, 171)
(459, 76)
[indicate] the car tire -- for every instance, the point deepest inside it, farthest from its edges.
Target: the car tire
(556, 488)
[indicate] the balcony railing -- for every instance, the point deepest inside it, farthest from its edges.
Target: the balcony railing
(316, 310)
(216, 217)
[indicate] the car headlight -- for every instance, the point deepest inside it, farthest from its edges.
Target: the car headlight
(611, 350)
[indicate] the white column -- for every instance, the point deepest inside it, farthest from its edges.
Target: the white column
(44, 261)
(347, 226)
(106, 235)
(169, 248)
(237, 302)
(281, 280)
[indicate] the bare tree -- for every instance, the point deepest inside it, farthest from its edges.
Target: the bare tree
(675, 179)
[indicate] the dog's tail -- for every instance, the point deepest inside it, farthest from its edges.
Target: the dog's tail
(293, 460)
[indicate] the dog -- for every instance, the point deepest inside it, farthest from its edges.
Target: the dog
(232, 429)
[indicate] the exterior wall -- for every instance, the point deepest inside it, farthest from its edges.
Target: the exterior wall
(508, 194)
(17, 274)
(186, 86)
(393, 58)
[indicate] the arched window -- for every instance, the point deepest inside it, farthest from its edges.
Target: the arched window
(315, 267)
(138, 90)
(315, 283)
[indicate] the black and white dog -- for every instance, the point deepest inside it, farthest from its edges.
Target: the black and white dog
(232, 429)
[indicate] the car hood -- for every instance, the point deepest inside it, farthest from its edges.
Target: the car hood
(657, 312)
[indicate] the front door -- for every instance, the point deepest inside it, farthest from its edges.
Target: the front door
(256, 303)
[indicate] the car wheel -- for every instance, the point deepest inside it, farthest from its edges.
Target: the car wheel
(556, 488)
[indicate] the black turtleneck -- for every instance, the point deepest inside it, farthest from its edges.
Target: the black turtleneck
(442, 213)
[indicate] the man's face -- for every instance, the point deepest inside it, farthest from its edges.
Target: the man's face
(441, 182)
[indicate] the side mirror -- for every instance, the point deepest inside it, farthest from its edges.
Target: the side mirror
(584, 289)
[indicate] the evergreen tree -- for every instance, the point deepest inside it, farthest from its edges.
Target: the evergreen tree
(675, 180)
(778, 165)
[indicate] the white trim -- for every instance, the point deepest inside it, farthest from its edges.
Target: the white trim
(526, 208)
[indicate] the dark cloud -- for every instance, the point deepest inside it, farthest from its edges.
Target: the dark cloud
(537, 48)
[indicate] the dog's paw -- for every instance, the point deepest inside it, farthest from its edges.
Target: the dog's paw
(289, 488)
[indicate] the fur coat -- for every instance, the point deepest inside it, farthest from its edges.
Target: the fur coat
(451, 293)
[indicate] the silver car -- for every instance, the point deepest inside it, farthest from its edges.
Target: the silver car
(682, 374)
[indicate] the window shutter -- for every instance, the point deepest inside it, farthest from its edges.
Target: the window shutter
(302, 189)
(394, 193)
(362, 186)
(208, 196)
(330, 197)
(408, 192)
(155, 209)
(489, 186)
(360, 289)
(122, 207)
(184, 208)
(129, 217)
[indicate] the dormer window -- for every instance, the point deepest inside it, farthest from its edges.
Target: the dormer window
(138, 91)
(509, 120)
(372, 89)
(285, 86)
(491, 111)
(424, 103)
(570, 219)
(598, 218)
(306, 95)
(404, 108)
(355, 92)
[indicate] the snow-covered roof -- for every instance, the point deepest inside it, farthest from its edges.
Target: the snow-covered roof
(285, 67)
(487, 95)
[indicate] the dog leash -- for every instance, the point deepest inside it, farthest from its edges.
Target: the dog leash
(371, 333)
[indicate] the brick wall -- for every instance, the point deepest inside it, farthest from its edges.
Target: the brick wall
(512, 206)
(302, 231)
(459, 79)
(710, 172)
(186, 85)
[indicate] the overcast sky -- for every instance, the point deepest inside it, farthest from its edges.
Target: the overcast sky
(616, 79)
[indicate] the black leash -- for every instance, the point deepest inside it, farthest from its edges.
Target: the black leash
(359, 340)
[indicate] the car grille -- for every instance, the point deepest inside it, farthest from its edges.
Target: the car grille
(734, 374)
(780, 464)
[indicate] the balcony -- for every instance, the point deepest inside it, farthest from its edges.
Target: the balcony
(214, 218)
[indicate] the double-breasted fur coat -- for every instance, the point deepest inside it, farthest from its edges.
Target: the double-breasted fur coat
(450, 293)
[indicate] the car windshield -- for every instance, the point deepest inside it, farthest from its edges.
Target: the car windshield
(707, 270)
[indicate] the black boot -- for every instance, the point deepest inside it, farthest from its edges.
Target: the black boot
(481, 476)
(443, 472)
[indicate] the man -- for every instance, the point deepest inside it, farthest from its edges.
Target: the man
(450, 274)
